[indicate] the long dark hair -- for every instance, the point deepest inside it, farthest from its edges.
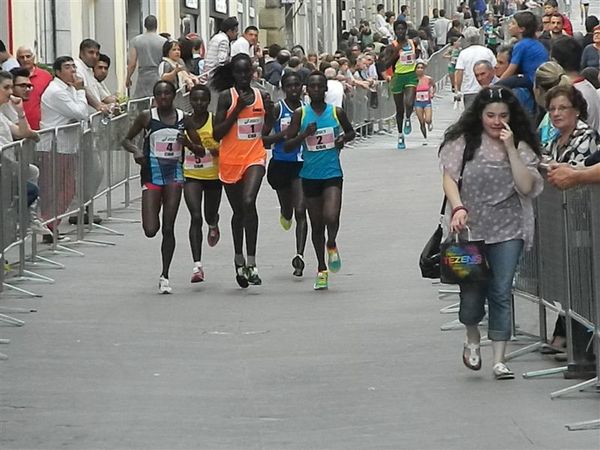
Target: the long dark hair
(223, 76)
(470, 124)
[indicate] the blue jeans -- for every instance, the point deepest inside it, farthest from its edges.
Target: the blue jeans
(503, 258)
(32, 193)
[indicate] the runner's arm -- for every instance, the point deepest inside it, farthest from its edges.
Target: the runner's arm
(270, 139)
(224, 123)
(269, 119)
(349, 132)
(138, 125)
(293, 136)
(191, 139)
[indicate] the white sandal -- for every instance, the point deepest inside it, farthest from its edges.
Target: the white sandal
(501, 372)
(472, 356)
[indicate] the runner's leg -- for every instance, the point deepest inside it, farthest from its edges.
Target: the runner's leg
(317, 227)
(300, 214)
(399, 101)
(192, 193)
(151, 204)
(409, 100)
(332, 206)
(171, 197)
(250, 187)
(429, 117)
(212, 202)
(421, 116)
(234, 195)
(286, 206)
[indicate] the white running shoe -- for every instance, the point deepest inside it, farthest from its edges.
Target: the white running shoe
(163, 286)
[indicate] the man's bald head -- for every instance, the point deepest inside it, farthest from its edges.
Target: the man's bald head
(26, 58)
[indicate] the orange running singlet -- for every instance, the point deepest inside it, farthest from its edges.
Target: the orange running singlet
(242, 146)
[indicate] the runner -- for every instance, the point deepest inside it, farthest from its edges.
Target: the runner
(424, 95)
(284, 168)
(242, 112)
(161, 170)
(402, 55)
(318, 126)
(201, 172)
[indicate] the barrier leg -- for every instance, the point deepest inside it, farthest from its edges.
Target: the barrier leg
(19, 290)
(545, 372)
(582, 426)
(576, 388)
(11, 321)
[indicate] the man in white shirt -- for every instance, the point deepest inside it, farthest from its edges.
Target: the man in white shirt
(218, 51)
(64, 100)
(100, 74)
(467, 86)
(379, 17)
(440, 30)
(89, 50)
(335, 89)
(7, 61)
(246, 43)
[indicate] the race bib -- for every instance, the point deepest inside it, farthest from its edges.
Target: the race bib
(249, 129)
(192, 162)
(407, 57)
(167, 147)
(323, 139)
(284, 123)
(422, 96)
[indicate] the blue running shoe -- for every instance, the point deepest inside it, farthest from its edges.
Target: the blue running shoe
(401, 144)
(407, 126)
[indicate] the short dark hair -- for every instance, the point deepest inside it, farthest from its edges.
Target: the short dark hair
(557, 14)
(58, 62)
(2, 46)
(200, 88)
(528, 21)
(4, 75)
(403, 9)
(150, 23)
(505, 48)
(171, 86)
(552, 3)
(251, 28)
(590, 23)
(167, 46)
(318, 73)
(289, 74)
(573, 95)
(229, 24)
(19, 72)
(589, 73)
(380, 7)
(274, 50)
(89, 43)
(104, 58)
(442, 12)
(566, 51)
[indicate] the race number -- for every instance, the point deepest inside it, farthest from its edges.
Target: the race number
(323, 139)
(249, 128)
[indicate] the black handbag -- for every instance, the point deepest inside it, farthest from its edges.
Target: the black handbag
(463, 261)
(429, 261)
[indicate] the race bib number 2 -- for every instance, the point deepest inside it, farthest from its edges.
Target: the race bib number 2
(323, 139)
(249, 128)
(167, 147)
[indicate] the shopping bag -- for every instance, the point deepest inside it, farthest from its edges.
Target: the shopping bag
(463, 261)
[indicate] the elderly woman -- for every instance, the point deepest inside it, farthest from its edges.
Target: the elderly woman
(173, 69)
(591, 53)
(489, 161)
(547, 76)
(576, 143)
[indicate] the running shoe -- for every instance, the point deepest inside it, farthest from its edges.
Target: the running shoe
(213, 235)
(334, 261)
(252, 274)
(163, 285)
(298, 265)
(407, 126)
(286, 224)
(197, 274)
(401, 144)
(430, 126)
(322, 281)
(241, 276)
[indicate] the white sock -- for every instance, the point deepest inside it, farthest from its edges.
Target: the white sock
(197, 264)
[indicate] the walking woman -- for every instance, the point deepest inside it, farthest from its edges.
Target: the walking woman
(201, 172)
(317, 125)
(161, 172)
(500, 151)
(242, 112)
(283, 173)
(402, 56)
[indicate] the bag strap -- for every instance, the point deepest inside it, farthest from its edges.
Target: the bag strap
(460, 178)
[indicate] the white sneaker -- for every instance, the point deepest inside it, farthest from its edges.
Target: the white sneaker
(163, 285)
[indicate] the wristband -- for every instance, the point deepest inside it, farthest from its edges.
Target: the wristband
(459, 208)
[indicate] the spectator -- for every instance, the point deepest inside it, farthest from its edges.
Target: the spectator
(547, 76)
(591, 54)
(173, 69)
(390, 18)
(89, 50)
(425, 27)
(145, 54)
(378, 46)
(452, 56)
(198, 52)
(455, 31)
(524, 94)
(380, 18)
(7, 62)
(13, 123)
(440, 30)
(343, 45)
(219, 50)
(557, 26)
(40, 79)
(466, 84)
(567, 52)
(355, 51)
(297, 66)
(403, 13)
(335, 89)
(366, 35)
(592, 75)
(590, 23)
(545, 36)
(551, 7)
(100, 74)
(528, 53)
(484, 73)
(246, 43)
(275, 71)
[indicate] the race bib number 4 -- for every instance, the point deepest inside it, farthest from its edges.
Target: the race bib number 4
(323, 139)
(250, 128)
(167, 147)
(191, 161)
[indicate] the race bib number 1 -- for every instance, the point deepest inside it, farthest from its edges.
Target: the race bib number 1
(250, 128)
(167, 147)
(323, 139)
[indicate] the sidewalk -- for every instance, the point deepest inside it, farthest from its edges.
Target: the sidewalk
(107, 363)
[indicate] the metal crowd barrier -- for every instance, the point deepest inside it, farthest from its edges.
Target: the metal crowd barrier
(562, 273)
